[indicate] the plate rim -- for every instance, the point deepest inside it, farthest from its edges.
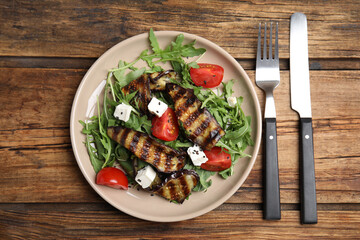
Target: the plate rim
(220, 200)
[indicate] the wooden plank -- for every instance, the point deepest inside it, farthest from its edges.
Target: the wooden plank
(29, 171)
(34, 95)
(35, 145)
(85, 63)
(39, 98)
(229, 221)
(38, 28)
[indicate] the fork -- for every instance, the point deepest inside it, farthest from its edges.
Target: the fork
(268, 78)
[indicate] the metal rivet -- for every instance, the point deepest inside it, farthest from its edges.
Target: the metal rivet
(271, 137)
(307, 136)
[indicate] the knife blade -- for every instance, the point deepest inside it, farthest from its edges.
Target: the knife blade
(301, 103)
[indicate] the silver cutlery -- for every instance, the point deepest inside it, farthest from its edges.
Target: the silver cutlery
(268, 78)
(301, 103)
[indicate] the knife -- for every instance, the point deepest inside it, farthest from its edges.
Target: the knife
(301, 103)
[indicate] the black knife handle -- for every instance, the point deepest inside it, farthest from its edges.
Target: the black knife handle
(272, 209)
(307, 173)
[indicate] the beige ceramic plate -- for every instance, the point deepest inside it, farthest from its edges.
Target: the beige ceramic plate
(139, 203)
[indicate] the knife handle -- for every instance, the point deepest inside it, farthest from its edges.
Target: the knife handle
(307, 173)
(272, 209)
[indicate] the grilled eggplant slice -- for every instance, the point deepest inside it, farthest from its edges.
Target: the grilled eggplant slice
(177, 187)
(143, 96)
(158, 80)
(201, 126)
(162, 157)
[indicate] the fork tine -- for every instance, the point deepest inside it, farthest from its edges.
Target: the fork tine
(276, 43)
(258, 57)
(264, 50)
(270, 42)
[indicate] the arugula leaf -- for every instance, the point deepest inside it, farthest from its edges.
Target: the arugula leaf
(193, 65)
(141, 124)
(228, 88)
(93, 150)
(133, 75)
(178, 144)
(95, 161)
(124, 80)
(153, 41)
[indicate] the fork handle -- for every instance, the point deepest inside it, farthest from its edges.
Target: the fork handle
(307, 173)
(272, 209)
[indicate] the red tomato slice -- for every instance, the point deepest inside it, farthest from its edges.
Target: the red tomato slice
(218, 160)
(112, 177)
(166, 127)
(207, 75)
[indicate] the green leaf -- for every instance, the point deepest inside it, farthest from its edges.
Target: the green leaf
(119, 74)
(178, 144)
(176, 66)
(178, 42)
(153, 41)
(193, 65)
(227, 172)
(121, 153)
(132, 76)
(192, 52)
(228, 88)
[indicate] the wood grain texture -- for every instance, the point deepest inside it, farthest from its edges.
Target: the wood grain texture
(95, 221)
(87, 29)
(46, 48)
(35, 146)
(85, 63)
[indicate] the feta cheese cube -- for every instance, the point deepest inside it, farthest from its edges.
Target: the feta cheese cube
(122, 112)
(197, 155)
(157, 107)
(145, 176)
(231, 101)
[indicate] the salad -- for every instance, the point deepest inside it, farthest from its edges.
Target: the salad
(167, 130)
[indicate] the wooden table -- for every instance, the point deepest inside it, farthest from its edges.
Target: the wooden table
(46, 48)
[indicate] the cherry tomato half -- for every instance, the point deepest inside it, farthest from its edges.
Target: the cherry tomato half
(207, 75)
(112, 177)
(218, 160)
(166, 127)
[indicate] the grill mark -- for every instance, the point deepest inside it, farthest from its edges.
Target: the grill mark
(116, 131)
(169, 161)
(181, 162)
(124, 135)
(192, 118)
(213, 137)
(202, 127)
(129, 139)
(172, 189)
(184, 185)
(157, 156)
(184, 109)
(144, 153)
(143, 95)
(177, 93)
(189, 102)
(151, 153)
(134, 142)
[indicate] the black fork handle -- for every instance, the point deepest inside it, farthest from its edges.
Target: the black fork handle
(272, 210)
